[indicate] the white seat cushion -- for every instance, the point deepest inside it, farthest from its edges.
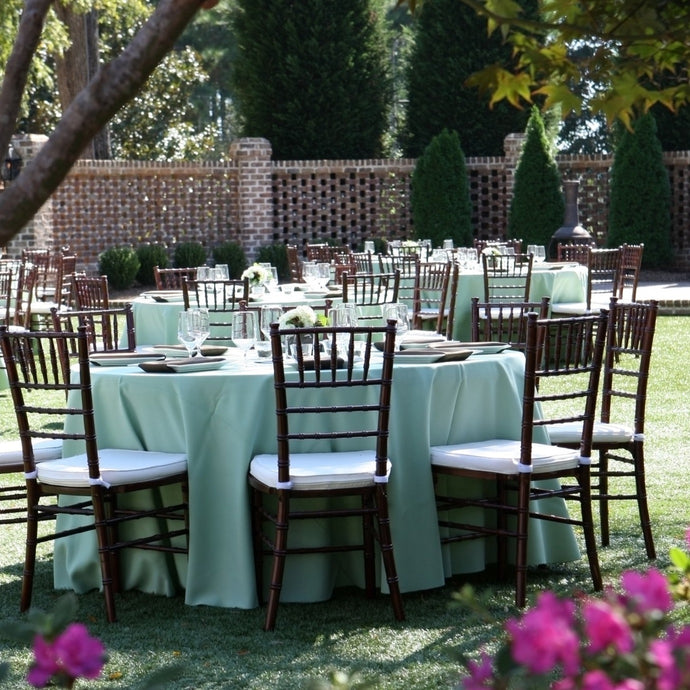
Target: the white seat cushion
(502, 456)
(319, 471)
(43, 308)
(573, 308)
(117, 467)
(44, 449)
(571, 432)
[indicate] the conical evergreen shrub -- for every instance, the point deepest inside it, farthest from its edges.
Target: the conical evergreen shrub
(538, 208)
(440, 197)
(640, 198)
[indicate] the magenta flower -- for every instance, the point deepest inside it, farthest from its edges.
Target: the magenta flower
(45, 664)
(649, 591)
(73, 654)
(605, 626)
(545, 636)
(596, 680)
(481, 674)
(80, 654)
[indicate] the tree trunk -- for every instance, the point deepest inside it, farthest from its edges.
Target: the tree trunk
(114, 85)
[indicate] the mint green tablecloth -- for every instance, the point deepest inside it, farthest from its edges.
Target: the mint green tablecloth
(567, 284)
(222, 418)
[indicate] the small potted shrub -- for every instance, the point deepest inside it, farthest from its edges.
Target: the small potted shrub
(189, 255)
(232, 254)
(150, 255)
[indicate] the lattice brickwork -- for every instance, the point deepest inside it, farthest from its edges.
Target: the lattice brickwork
(256, 201)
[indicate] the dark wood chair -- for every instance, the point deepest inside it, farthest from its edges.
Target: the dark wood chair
(629, 267)
(603, 278)
(221, 298)
(90, 292)
(574, 253)
(97, 479)
(172, 278)
(435, 288)
(507, 277)
(504, 322)
(619, 434)
(294, 263)
(560, 354)
(371, 290)
(306, 465)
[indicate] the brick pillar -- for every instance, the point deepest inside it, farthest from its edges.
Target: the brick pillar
(512, 146)
(38, 232)
(254, 193)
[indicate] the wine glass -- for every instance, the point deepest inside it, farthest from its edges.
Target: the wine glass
(244, 331)
(397, 312)
(270, 313)
(200, 327)
(185, 331)
(323, 275)
(538, 251)
(342, 315)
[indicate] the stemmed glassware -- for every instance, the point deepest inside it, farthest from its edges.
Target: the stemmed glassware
(200, 327)
(244, 331)
(269, 314)
(185, 331)
(342, 315)
(399, 313)
(539, 252)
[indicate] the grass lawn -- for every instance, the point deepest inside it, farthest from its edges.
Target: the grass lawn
(226, 648)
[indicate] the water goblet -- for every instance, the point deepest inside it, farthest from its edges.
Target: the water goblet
(342, 315)
(185, 331)
(244, 331)
(270, 313)
(200, 327)
(399, 313)
(540, 253)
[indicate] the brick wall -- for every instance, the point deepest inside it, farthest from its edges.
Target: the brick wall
(255, 201)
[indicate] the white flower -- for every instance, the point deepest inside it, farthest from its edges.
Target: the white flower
(257, 275)
(491, 251)
(299, 317)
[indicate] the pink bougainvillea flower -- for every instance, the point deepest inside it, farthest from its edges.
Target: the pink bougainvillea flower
(661, 652)
(597, 680)
(45, 664)
(544, 637)
(80, 655)
(605, 626)
(630, 684)
(73, 654)
(481, 674)
(649, 591)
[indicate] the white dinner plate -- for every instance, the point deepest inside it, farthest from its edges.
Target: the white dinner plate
(209, 364)
(402, 358)
(122, 360)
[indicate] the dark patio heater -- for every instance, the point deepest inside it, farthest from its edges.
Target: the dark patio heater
(12, 166)
(571, 232)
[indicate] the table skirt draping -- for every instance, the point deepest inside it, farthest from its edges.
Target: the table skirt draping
(222, 418)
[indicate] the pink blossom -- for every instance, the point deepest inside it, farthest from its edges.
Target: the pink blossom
(596, 680)
(80, 654)
(649, 591)
(73, 654)
(630, 684)
(45, 664)
(687, 537)
(481, 674)
(545, 637)
(661, 652)
(605, 626)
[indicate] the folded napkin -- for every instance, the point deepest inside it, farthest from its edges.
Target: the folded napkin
(469, 345)
(160, 366)
(457, 355)
(106, 357)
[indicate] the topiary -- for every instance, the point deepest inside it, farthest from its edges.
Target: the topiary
(120, 264)
(189, 254)
(150, 255)
(640, 201)
(440, 197)
(276, 255)
(232, 254)
(538, 208)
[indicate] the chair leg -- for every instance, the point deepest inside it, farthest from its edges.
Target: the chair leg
(641, 490)
(522, 526)
(502, 526)
(278, 566)
(588, 528)
(369, 548)
(386, 545)
(603, 497)
(104, 552)
(257, 543)
(29, 559)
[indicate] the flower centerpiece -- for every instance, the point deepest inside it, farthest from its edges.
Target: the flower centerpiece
(299, 317)
(257, 275)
